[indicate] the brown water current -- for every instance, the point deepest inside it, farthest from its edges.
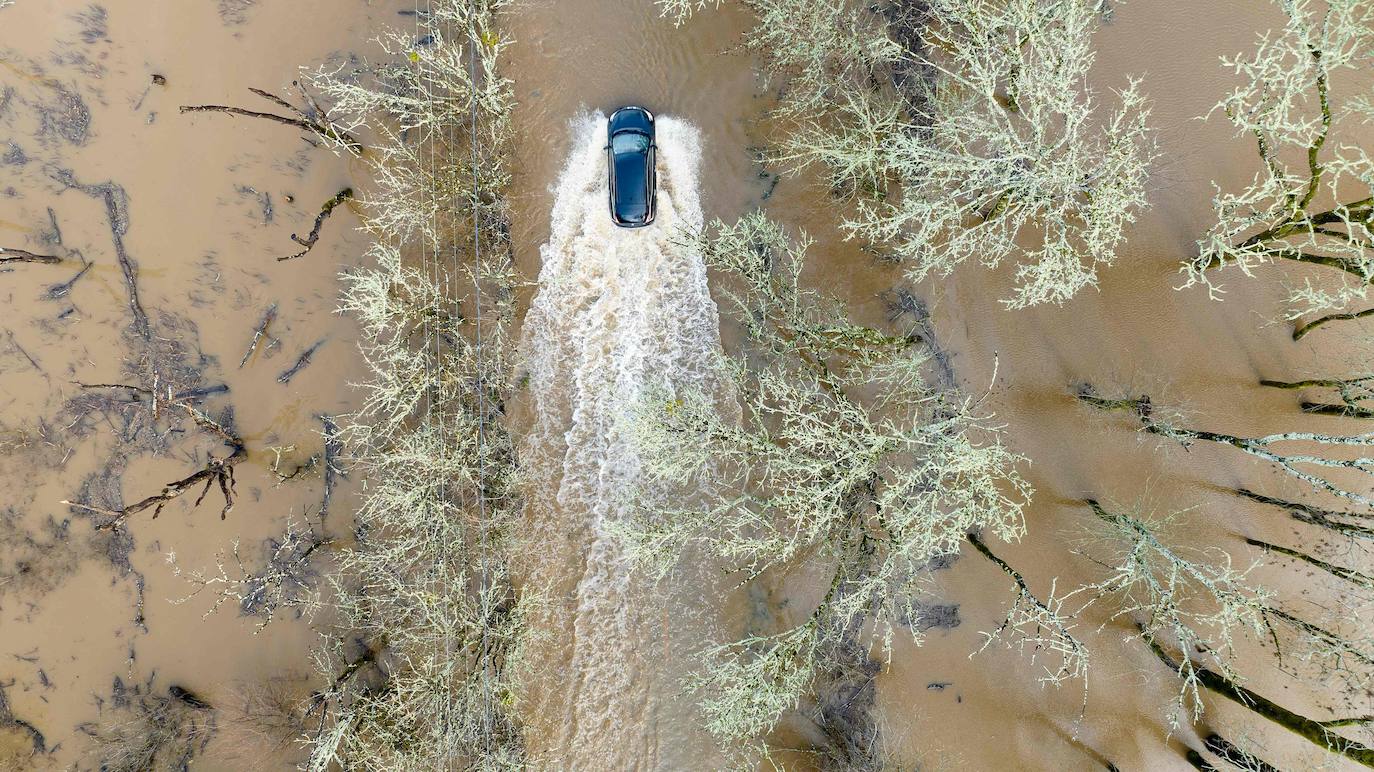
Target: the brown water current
(180, 218)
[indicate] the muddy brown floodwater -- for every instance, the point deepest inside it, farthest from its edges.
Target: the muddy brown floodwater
(178, 219)
(90, 144)
(936, 706)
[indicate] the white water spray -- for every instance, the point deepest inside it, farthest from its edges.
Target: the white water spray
(618, 311)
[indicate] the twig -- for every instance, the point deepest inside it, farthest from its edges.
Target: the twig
(62, 290)
(267, 319)
(189, 394)
(8, 255)
(327, 209)
(20, 349)
(300, 364)
(112, 196)
(301, 121)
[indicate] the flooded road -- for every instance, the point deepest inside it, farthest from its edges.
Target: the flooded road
(620, 312)
(168, 227)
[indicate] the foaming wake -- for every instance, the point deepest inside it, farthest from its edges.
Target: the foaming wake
(617, 311)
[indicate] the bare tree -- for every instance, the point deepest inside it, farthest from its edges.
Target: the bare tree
(420, 667)
(844, 460)
(1198, 604)
(966, 139)
(1317, 212)
(284, 578)
(1194, 599)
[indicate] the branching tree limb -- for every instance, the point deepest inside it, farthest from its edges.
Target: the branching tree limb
(1317, 732)
(313, 119)
(1037, 626)
(1356, 395)
(1270, 448)
(217, 472)
(1355, 577)
(1302, 328)
(1355, 525)
(325, 210)
(1306, 214)
(844, 460)
(1193, 598)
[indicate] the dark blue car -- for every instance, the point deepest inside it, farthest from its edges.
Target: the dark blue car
(630, 152)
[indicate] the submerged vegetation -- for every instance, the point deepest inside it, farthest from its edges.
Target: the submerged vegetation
(422, 624)
(1310, 202)
(844, 459)
(834, 462)
(963, 130)
(427, 624)
(967, 130)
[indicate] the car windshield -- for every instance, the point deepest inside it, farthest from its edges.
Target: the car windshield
(630, 142)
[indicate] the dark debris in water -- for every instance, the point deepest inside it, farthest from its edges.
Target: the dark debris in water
(265, 210)
(64, 114)
(150, 728)
(902, 305)
(35, 560)
(235, 12)
(929, 616)
(14, 155)
(94, 22)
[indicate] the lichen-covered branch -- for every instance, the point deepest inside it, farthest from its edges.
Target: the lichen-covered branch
(1193, 598)
(1356, 395)
(1274, 448)
(312, 119)
(1316, 213)
(425, 586)
(843, 460)
(1316, 732)
(1039, 627)
(968, 139)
